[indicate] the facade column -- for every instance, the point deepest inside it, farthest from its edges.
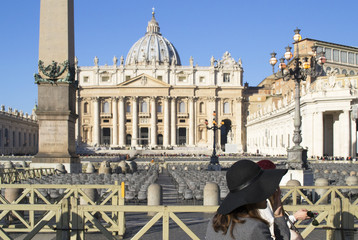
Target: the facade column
(122, 126)
(318, 142)
(239, 133)
(353, 138)
(115, 121)
(191, 122)
(345, 137)
(78, 120)
(166, 122)
(173, 125)
(153, 122)
(96, 125)
(135, 122)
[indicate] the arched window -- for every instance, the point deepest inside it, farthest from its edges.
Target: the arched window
(159, 108)
(201, 107)
(105, 107)
(128, 109)
(337, 70)
(226, 107)
(351, 72)
(328, 69)
(182, 107)
(143, 106)
(344, 71)
(85, 108)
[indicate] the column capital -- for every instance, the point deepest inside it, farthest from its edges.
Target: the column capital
(239, 99)
(166, 98)
(114, 99)
(211, 99)
(121, 98)
(133, 98)
(152, 98)
(95, 99)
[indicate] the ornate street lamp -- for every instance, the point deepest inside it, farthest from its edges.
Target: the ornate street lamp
(214, 159)
(298, 71)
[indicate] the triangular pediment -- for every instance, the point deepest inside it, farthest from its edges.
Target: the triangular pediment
(144, 80)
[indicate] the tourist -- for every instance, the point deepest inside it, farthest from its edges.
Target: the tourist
(268, 214)
(238, 216)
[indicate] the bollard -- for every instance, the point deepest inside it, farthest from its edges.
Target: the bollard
(352, 181)
(8, 164)
(11, 195)
(105, 168)
(90, 168)
(124, 166)
(294, 183)
(320, 192)
(211, 194)
(91, 193)
(154, 197)
(60, 168)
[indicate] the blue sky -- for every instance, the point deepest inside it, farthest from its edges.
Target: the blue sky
(249, 30)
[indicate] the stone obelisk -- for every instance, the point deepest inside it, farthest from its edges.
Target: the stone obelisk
(56, 87)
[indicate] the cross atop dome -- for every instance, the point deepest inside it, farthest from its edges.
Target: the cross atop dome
(153, 26)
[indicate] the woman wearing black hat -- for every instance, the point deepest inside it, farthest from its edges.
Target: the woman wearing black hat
(238, 217)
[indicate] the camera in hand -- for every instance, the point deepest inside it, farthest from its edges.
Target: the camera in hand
(313, 217)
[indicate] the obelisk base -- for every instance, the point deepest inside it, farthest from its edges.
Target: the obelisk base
(72, 164)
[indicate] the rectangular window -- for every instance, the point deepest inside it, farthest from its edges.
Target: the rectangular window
(182, 120)
(106, 121)
(182, 79)
(25, 139)
(344, 57)
(20, 142)
(128, 121)
(351, 58)
(201, 79)
(105, 79)
(85, 79)
(160, 120)
(356, 59)
(13, 139)
(128, 77)
(329, 53)
(319, 49)
(335, 55)
(160, 78)
(226, 77)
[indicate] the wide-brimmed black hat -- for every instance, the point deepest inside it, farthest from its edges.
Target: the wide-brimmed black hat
(248, 184)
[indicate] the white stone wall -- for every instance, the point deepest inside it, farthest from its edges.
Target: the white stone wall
(327, 97)
(18, 132)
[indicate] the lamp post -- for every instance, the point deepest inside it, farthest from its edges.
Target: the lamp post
(298, 71)
(214, 159)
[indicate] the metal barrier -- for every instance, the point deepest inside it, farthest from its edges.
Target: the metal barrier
(12, 175)
(74, 213)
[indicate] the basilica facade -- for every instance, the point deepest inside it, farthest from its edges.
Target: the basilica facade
(150, 100)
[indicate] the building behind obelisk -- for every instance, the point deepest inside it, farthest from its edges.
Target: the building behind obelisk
(56, 87)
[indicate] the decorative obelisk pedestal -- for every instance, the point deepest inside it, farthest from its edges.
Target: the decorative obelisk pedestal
(56, 87)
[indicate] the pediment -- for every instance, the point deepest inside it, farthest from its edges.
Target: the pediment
(144, 80)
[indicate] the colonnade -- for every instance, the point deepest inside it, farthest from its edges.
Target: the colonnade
(119, 124)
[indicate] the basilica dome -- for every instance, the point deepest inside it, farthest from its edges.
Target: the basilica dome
(153, 47)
